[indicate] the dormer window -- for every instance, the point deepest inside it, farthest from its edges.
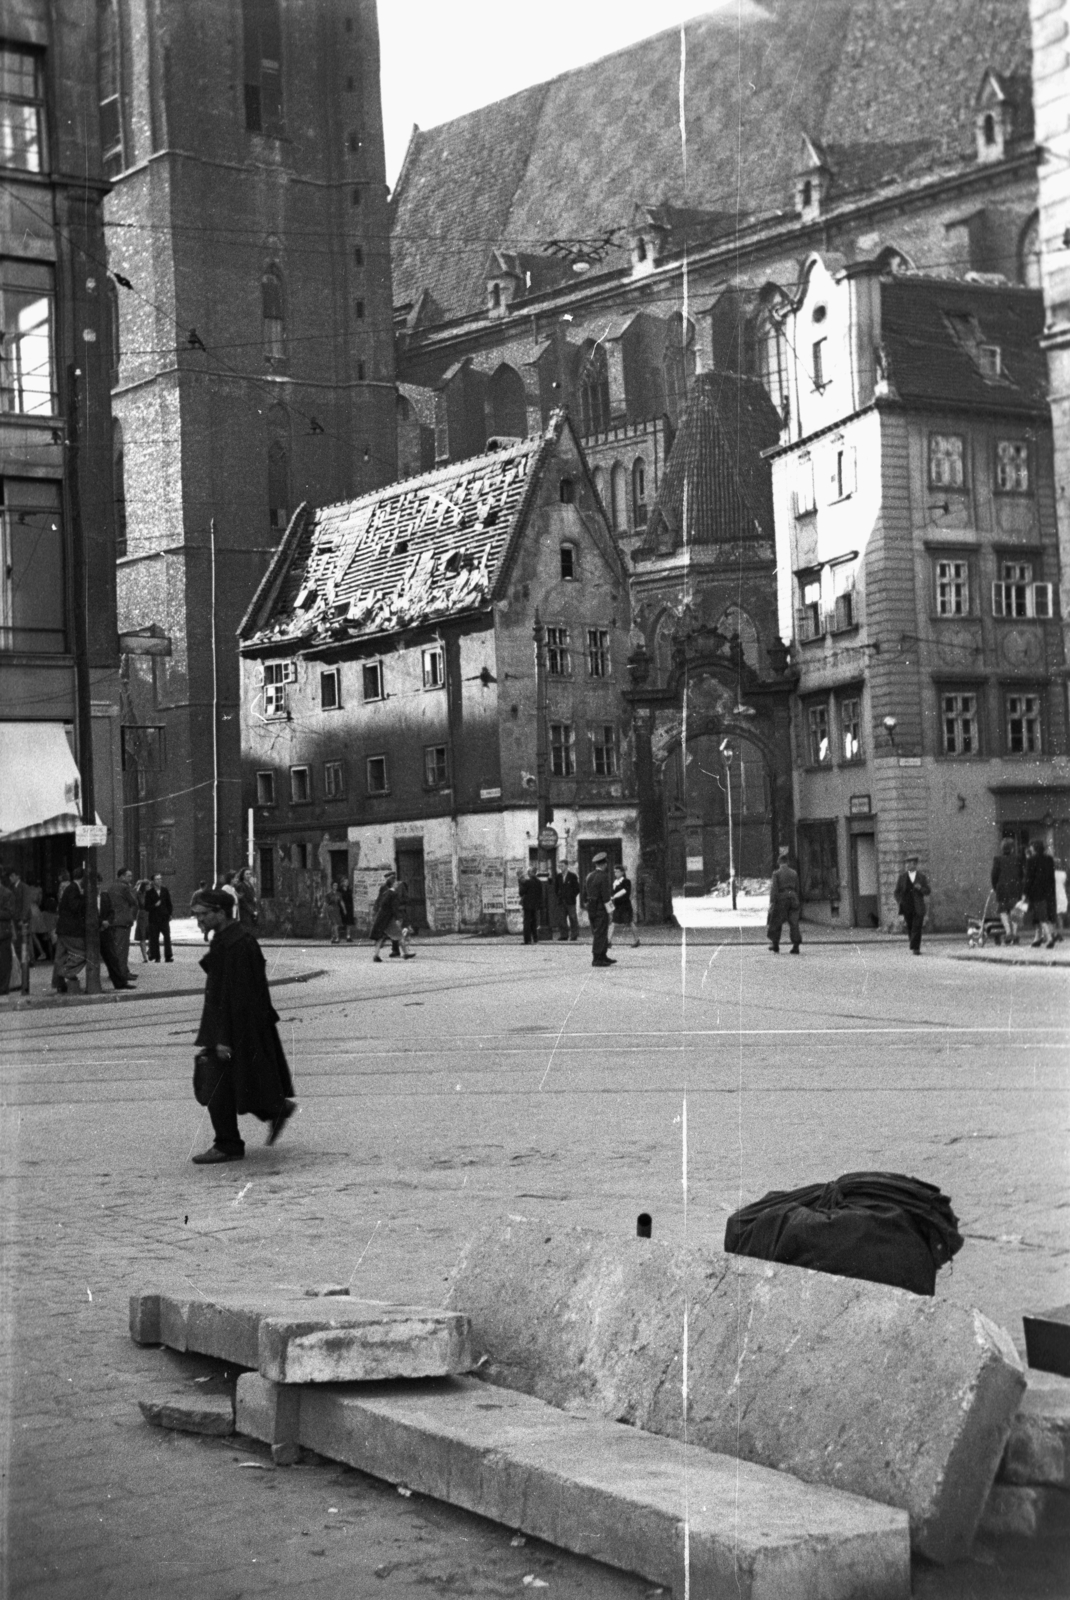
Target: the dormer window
(807, 194)
(640, 249)
(994, 116)
(988, 128)
(812, 180)
(989, 361)
(495, 297)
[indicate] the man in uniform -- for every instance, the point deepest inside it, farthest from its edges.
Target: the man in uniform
(598, 892)
(911, 890)
(784, 904)
(240, 1067)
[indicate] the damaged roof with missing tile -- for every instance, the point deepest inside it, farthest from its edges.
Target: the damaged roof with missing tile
(415, 552)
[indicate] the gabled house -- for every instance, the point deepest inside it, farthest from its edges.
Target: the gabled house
(430, 675)
(918, 567)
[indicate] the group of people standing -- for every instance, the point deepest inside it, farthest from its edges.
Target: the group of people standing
(607, 897)
(1027, 887)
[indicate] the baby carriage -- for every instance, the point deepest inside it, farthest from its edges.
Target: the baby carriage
(980, 930)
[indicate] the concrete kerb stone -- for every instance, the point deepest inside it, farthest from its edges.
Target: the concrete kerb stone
(211, 1414)
(854, 1385)
(601, 1489)
(283, 1338)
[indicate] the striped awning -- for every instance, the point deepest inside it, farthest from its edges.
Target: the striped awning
(39, 782)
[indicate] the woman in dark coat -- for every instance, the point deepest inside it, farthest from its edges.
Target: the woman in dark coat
(1039, 887)
(623, 911)
(1007, 886)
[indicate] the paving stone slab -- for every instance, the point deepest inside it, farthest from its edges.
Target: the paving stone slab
(614, 1493)
(271, 1413)
(856, 1385)
(211, 1413)
(292, 1338)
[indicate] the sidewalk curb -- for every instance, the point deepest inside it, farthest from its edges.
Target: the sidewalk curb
(1011, 961)
(125, 996)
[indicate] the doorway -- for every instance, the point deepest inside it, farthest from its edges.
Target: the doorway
(864, 880)
(587, 849)
(339, 865)
(409, 861)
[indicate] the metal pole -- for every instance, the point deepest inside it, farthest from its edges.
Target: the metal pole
(250, 849)
(215, 720)
(727, 756)
(83, 690)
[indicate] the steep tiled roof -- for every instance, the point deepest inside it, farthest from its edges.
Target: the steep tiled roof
(716, 487)
(888, 86)
(928, 360)
(420, 550)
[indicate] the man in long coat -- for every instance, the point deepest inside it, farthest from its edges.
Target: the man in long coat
(241, 1069)
(912, 889)
(598, 892)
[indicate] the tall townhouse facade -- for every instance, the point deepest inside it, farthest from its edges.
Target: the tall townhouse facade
(567, 246)
(252, 365)
(432, 674)
(57, 542)
(919, 576)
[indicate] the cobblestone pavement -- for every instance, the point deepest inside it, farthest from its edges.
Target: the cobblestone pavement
(480, 1080)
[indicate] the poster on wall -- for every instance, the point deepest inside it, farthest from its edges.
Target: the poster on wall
(366, 883)
(514, 871)
(441, 905)
(469, 879)
(493, 886)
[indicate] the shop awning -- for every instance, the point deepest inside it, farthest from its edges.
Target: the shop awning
(39, 781)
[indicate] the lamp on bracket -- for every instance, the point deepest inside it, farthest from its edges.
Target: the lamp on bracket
(889, 724)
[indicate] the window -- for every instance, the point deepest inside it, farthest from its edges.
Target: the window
(358, 310)
(434, 667)
(567, 492)
(110, 81)
(568, 561)
(331, 690)
(958, 717)
(598, 658)
(377, 779)
(562, 750)
(678, 363)
(334, 780)
(818, 748)
(434, 766)
(819, 363)
(114, 345)
(845, 614)
(118, 486)
(952, 588)
(33, 612)
(299, 856)
(805, 498)
(278, 472)
(947, 461)
(1012, 466)
(27, 376)
(265, 788)
(373, 680)
(990, 360)
(266, 858)
(21, 110)
(273, 316)
(300, 786)
(144, 747)
(851, 728)
(277, 674)
(843, 471)
(618, 494)
(604, 762)
(639, 494)
(594, 392)
(811, 623)
(1023, 724)
(263, 66)
(1014, 594)
(558, 653)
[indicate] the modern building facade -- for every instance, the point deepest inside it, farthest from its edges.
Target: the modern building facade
(252, 366)
(919, 576)
(431, 674)
(57, 541)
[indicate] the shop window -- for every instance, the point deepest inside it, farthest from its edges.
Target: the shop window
(562, 750)
(558, 653)
(27, 317)
(435, 766)
(605, 761)
(960, 727)
(33, 612)
(598, 657)
(1022, 718)
(22, 106)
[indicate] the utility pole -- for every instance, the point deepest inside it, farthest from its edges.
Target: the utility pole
(726, 757)
(542, 765)
(83, 688)
(215, 718)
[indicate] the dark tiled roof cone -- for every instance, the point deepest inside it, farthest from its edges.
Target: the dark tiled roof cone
(886, 87)
(716, 487)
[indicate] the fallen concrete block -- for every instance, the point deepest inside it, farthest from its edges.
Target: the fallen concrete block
(611, 1492)
(145, 1319)
(270, 1412)
(1047, 1340)
(292, 1339)
(1030, 1513)
(854, 1385)
(1038, 1449)
(210, 1413)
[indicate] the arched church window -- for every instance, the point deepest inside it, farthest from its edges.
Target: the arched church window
(1029, 254)
(618, 494)
(118, 485)
(273, 312)
(278, 471)
(735, 623)
(111, 90)
(507, 411)
(679, 363)
(639, 506)
(594, 392)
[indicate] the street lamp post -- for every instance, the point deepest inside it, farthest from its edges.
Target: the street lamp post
(726, 757)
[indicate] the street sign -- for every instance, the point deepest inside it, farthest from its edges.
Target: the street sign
(548, 839)
(91, 833)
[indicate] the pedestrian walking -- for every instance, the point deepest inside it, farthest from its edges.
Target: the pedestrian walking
(387, 920)
(141, 925)
(531, 905)
(109, 952)
(160, 910)
(567, 892)
(124, 904)
(1062, 901)
(245, 884)
(241, 1068)
(42, 926)
(333, 906)
(70, 935)
(623, 913)
(912, 889)
(226, 886)
(785, 903)
(1007, 887)
(598, 893)
(1039, 886)
(8, 906)
(345, 903)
